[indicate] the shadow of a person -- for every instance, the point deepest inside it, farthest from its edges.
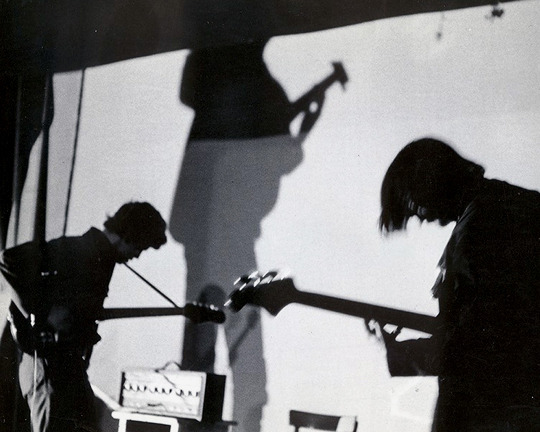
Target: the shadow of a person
(240, 146)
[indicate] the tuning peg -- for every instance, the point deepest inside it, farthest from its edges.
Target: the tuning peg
(247, 278)
(268, 276)
(241, 280)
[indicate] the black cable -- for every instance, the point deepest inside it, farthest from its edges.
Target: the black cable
(16, 194)
(75, 145)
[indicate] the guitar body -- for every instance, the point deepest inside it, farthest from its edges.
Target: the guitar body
(59, 331)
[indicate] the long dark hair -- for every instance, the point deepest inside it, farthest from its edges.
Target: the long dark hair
(425, 173)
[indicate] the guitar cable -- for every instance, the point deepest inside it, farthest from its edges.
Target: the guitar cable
(34, 383)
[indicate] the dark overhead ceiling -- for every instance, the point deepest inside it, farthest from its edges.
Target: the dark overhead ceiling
(82, 33)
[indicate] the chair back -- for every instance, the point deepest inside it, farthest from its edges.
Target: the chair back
(335, 423)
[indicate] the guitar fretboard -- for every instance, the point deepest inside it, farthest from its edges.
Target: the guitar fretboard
(114, 313)
(412, 320)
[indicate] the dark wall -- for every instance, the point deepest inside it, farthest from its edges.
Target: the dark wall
(83, 34)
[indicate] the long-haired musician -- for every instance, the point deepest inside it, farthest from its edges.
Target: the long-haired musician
(487, 350)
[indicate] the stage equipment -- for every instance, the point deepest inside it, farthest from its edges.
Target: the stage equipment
(176, 393)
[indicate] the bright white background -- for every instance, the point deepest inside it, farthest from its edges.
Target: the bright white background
(476, 87)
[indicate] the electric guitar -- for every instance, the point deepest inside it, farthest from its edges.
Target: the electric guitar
(60, 331)
(273, 294)
(338, 75)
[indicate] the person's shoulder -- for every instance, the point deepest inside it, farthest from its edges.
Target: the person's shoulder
(21, 259)
(92, 234)
(95, 240)
(24, 249)
(516, 199)
(504, 208)
(91, 240)
(501, 194)
(507, 189)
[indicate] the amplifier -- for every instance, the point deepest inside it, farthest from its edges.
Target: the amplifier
(175, 393)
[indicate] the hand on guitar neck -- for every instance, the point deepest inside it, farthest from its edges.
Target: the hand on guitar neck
(273, 293)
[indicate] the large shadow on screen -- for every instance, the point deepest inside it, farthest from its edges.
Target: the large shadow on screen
(240, 146)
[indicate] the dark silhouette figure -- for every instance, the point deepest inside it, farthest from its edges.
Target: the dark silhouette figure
(234, 95)
(240, 146)
(487, 348)
(57, 290)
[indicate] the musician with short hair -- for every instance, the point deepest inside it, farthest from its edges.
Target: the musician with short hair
(487, 349)
(58, 289)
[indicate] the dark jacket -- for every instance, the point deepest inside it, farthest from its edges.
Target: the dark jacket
(68, 275)
(487, 352)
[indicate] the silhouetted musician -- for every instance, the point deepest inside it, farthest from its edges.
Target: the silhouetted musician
(57, 291)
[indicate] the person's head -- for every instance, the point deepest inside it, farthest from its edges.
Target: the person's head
(427, 179)
(135, 227)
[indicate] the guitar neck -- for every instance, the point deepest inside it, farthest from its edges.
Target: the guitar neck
(304, 101)
(327, 82)
(383, 315)
(116, 313)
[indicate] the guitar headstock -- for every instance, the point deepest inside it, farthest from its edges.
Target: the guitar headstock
(201, 312)
(267, 290)
(340, 74)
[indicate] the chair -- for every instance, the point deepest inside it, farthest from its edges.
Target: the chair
(302, 419)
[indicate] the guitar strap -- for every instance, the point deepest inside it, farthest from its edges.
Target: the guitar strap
(151, 285)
